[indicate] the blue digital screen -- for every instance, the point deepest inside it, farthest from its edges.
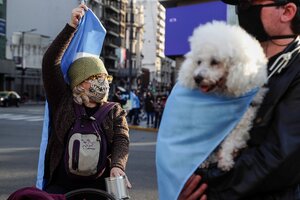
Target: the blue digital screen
(182, 20)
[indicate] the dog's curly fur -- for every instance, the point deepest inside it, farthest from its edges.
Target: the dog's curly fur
(226, 60)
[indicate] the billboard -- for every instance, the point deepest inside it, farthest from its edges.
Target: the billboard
(181, 21)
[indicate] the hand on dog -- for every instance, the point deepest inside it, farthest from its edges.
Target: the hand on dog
(192, 191)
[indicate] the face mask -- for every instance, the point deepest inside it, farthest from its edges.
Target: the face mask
(98, 90)
(250, 20)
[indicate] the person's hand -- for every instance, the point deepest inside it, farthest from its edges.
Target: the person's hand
(115, 171)
(77, 14)
(191, 189)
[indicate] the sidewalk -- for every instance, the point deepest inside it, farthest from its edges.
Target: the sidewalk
(142, 127)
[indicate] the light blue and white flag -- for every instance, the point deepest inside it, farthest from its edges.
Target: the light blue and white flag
(87, 41)
(192, 126)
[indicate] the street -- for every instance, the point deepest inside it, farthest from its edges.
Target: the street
(20, 134)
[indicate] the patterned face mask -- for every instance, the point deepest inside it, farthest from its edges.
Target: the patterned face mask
(99, 89)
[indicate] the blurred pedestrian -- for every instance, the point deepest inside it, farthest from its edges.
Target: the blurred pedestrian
(158, 107)
(119, 98)
(135, 108)
(149, 108)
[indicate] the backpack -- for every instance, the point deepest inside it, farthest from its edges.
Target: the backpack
(86, 150)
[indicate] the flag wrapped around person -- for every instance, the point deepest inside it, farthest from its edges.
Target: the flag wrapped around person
(87, 41)
(192, 126)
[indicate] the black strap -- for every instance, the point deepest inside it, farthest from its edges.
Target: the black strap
(100, 113)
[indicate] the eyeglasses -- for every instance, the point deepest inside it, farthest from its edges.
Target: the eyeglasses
(101, 76)
(246, 4)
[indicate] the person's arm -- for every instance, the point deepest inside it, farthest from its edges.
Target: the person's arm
(120, 143)
(54, 83)
(272, 166)
(120, 140)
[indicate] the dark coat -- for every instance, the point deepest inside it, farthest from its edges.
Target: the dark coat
(62, 115)
(270, 167)
(149, 103)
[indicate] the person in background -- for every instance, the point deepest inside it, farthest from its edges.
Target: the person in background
(149, 108)
(135, 107)
(158, 108)
(270, 167)
(89, 86)
(117, 97)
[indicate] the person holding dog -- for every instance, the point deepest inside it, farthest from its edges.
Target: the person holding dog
(89, 86)
(270, 167)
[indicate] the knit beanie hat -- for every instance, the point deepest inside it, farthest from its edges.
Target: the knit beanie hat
(83, 68)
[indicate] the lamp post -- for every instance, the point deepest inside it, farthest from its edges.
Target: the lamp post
(23, 67)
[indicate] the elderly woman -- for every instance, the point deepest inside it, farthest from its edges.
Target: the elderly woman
(89, 86)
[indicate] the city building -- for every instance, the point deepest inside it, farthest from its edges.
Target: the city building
(114, 22)
(122, 46)
(166, 78)
(154, 45)
(127, 65)
(27, 50)
(28, 35)
(134, 44)
(7, 67)
(30, 27)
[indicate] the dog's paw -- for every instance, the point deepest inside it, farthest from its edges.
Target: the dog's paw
(225, 165)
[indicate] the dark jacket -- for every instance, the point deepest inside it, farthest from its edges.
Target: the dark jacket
(62, 115)
(270, 167)
(149, 103)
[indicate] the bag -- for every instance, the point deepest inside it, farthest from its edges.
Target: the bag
(86, 150)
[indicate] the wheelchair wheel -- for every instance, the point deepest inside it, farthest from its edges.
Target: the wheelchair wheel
(88, 194)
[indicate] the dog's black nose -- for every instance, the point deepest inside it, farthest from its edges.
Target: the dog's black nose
(198, 79)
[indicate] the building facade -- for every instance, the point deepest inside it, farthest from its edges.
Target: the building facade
(154, 44)
(134, 43)
(7, 67)
(27, 49)
(28, 34)
(122, 46)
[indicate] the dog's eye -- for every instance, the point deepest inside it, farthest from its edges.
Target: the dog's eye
(214, 62)
(198, 62)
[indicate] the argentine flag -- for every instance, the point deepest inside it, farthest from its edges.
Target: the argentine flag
(87, 41)
(192, 126)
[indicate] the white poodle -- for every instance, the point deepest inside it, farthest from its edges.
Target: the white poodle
(226, 60)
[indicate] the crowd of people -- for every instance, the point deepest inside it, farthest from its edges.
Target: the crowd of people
(141, 106)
